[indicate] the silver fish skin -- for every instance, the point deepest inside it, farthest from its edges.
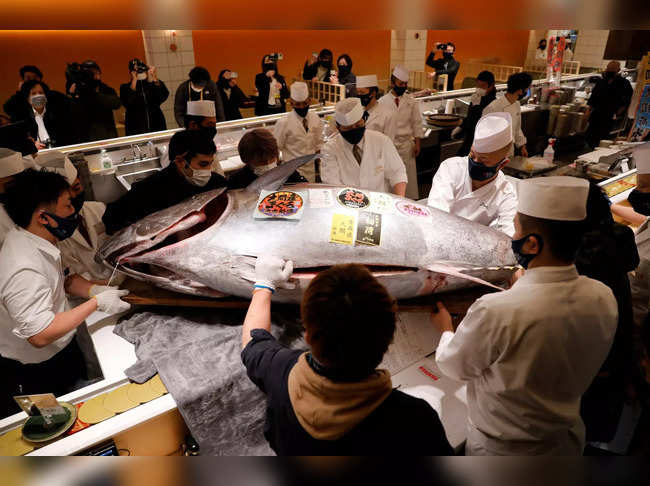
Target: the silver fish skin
(208, 245)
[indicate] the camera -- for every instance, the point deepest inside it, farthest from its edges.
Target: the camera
(441, 47)
(82, 76)
(276, 56)
(138, 66)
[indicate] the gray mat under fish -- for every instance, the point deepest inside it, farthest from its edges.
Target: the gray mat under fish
(198, 356)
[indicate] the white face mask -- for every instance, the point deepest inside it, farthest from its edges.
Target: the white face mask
(141, 76)
(199, 177)
(38, 100)
(263, 169)
(480, 91)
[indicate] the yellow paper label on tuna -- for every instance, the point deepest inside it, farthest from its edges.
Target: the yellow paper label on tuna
(342, 230)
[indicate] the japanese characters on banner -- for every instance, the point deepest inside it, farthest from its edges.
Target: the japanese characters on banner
(639, 108)
(555, 49)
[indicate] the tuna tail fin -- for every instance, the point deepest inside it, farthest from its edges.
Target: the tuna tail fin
(451, 271)
(274, 179)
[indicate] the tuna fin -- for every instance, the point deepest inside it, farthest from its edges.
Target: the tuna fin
(456, 272)
(274, 179)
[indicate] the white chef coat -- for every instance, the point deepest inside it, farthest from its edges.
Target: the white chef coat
(294, 141)
(6, 224)
(640, 278)
(493, 205)
(502, 104)
(407, 125)
(528, 354)
(43, 136)
(380, 119)
(381, 166)
(31, 294)
(76, 254)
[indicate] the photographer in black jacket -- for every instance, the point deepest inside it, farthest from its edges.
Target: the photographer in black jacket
(94, 101)
(142, 97)
(446, 64)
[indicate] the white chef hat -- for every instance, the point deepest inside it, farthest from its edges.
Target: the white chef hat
(641, 156)
(60, 163)
(201, 108)
(299, 91)
(348, 111)
(367, 81)
(11, 163)
(559, 198)
(493, 132)
(401, 73)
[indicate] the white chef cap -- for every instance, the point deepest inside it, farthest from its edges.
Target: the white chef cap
(641, 156)
(558, 198)
(401, 73)
(348, 111)
(201, 108)
(60, 163)
(367, 81)
(493, 132)
(299, 91)
(11, 163)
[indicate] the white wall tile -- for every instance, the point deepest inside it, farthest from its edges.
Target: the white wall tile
(187, 57)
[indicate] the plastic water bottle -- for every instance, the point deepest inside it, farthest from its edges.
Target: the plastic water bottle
(549, 152)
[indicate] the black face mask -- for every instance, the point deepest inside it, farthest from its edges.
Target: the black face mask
(66, 226)
(327, 63)
(78, 201)
(343, 70)
(524, 259)
(448, 55)
(365, 99)
(640, 201)
(209, 131)
(268, 66)
(354, 136)
(224, 83)
(482, 172)
(399, 90)
(302, 112)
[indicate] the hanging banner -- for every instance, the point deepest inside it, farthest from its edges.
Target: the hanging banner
(640, 105)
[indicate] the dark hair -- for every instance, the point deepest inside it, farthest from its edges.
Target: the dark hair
(257, 146)
(90, 64)
(30, 69)
(350, 318)
(599, 213)
(223, 71)
(347, 58)
(28, 85)
(199, 74)
(539, 44)
(31, 190)
(452, 45)
(486, 76)
(187, 119)
(191, 141)
(275, 64)
(518, 81)
(562, 238)
(325, 52)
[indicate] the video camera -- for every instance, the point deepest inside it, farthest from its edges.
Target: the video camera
(276, 56)
(441, 47)
(82, 76)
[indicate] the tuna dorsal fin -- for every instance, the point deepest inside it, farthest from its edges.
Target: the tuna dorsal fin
(274, 179)
(456, 272)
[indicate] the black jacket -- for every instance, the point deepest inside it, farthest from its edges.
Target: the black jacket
(185, 93)
(58, 122)
(232, 103)
(608, 98)
(245, 176)
(263, 85)
(92, 112)
(14, 105)
(445, 66)
(158, 191)
(400, 425)
(474, 114)
(143, 113)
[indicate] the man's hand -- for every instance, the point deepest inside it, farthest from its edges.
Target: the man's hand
(523, 151)
(110, 301)
(516, 276)
(315, 78)
(272, 272)
(152, 75)
(313, 59)
(40, 145)
(441, 318)
(72, 89)
(270, 73)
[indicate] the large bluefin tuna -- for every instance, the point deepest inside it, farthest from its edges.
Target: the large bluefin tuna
(207, 245)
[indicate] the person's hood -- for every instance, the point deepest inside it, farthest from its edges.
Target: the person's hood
(328, 410)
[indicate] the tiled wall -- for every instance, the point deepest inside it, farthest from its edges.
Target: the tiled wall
(590, 48)
(172, 66)
(408, 50)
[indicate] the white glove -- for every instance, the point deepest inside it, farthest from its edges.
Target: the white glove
(272, 272)
(109, 301)
(455, 133)
(98, 289)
